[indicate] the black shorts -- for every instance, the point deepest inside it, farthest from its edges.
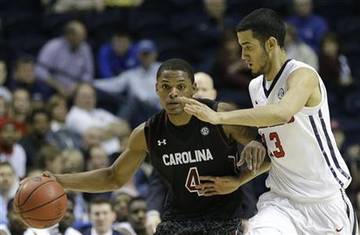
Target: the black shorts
(199, 227)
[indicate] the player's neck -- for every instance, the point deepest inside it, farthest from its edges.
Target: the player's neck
(275, 65)
(180, 120)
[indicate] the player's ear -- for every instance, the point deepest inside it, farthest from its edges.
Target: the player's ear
(156, 87)
(194, 86)
(270, 44)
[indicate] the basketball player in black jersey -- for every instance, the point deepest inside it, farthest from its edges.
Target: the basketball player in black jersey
(182, 149)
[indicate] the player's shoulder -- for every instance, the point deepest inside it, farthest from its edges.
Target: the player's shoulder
(156, 119)
(255, 83)
(302, 71)
(137, 137)
(295, 66)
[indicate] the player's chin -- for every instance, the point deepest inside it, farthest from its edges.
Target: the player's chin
(174, 111)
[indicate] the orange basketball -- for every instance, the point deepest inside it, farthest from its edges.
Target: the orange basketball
(40, 201)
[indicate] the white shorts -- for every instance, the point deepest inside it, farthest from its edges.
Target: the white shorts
(278, 215)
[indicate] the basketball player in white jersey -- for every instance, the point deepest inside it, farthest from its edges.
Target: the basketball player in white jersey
(308, 176)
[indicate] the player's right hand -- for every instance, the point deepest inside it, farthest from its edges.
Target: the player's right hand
(49, 174)
(152, 221)
(253, 154)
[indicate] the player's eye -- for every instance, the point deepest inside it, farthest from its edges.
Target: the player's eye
(181, 87)
(165, 86)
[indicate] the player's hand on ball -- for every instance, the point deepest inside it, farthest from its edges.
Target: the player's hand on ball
(215, 185)
(49, 174)
(253, 154)
(152, 221)
(200, 110)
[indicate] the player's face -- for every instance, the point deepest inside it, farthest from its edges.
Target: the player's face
(253, 52)
(170, 86)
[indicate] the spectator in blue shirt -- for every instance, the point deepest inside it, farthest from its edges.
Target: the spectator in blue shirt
(310, 27)
(117, 55)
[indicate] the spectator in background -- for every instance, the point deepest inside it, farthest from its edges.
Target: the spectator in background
(297, 49)
(72, 161)
(38, 136)
(50, 159)
(10, 150)
(205, 86)
(119, 202)
(58, 109)
(16, 226)
(123, 3)
(65, 225)
(136, 224)
(21, 108)
(64, 6)
(84, 115)
(8, 185)
(65, 61)
(333, 65)
(24, 77)
(141, 100)
(3, 110)
(216, 9)
(310, 27)
(116, 56)
(97, 159)
(91, 138)
(4, 92)
(102, 216)
(63, 137)
(230, 71)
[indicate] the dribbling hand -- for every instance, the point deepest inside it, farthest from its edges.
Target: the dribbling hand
(49, 174)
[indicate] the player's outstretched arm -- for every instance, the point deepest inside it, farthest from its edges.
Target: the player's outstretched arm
(216, 185)
(113, 177)
(242, 134)
(302, 83)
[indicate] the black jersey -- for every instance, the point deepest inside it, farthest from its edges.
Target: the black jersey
(181, 153)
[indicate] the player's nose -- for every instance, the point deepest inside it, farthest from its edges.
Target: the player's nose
(174, 92)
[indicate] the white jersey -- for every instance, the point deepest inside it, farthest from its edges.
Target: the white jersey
(306, 163)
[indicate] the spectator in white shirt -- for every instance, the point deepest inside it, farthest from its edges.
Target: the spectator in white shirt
(84, 115)
(8, 184)
(10, 150)
(138, 83)
(102, 217)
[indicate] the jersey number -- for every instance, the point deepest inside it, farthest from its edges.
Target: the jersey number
(193, 180)
(279, 152)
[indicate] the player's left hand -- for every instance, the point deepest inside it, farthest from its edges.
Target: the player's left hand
(215, 185)
(200, 110)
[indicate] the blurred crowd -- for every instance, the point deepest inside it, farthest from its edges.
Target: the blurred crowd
(77, 76)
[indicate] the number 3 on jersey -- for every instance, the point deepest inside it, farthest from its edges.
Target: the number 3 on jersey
(279, 152)
(193, 180)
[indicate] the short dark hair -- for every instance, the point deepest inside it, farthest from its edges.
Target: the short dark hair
(136, 199)
(35, 112)
(176, 64)
(24, 60)
(99, 200)
(264, 23)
